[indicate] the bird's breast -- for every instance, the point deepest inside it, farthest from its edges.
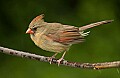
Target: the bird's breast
(48, 44)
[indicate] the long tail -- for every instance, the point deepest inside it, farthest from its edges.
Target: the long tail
(94, 24)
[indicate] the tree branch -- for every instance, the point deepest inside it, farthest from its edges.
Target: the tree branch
(115, 64)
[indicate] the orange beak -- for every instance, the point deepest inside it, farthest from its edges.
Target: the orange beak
(29, 31)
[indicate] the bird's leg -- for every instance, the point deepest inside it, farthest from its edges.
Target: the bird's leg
(58, 61)
(50, 58)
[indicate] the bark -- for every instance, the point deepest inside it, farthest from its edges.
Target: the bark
(105, 65)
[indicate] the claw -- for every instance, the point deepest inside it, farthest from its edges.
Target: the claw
(50, 60)
(58, 61)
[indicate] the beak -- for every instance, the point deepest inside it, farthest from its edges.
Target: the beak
(29, 31)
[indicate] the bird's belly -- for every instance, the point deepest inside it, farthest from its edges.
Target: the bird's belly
(53, 46)
(48, 44)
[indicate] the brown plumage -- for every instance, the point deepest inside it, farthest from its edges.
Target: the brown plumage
(56, 37)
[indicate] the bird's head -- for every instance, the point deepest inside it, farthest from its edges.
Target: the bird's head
(35, 24)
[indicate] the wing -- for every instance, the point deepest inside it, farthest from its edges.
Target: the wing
(65, 34)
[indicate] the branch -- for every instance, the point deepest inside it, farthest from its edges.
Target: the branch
(115, 64)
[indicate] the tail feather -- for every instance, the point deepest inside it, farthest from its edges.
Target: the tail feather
(94, 24)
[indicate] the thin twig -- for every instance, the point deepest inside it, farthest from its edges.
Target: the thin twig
(115, 64)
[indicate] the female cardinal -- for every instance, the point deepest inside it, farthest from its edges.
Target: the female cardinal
(56, 37)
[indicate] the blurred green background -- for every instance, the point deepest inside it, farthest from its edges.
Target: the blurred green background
(100, 46)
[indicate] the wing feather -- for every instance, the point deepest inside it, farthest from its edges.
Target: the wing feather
(67, 35)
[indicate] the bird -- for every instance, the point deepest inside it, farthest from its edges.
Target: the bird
(57, 37)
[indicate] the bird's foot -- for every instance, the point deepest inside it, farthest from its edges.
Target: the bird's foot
(50, 59)
(59, 61)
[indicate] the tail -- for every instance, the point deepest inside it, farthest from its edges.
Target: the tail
(94, 24)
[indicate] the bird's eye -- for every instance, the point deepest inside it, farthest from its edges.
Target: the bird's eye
(35, 28)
